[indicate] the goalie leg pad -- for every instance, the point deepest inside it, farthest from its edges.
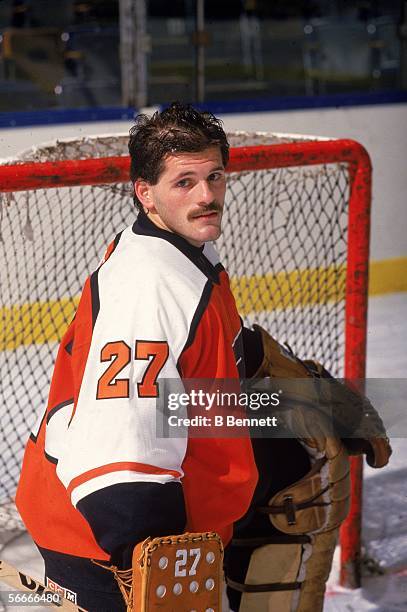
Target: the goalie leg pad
(285, 569)
(317, 570)
(288, 577)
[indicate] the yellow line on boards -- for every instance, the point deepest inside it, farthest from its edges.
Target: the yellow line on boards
(289, 289)
(313, 286)
(40, 322)
(35, 322)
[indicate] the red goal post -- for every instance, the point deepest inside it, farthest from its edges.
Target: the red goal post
(296, 181)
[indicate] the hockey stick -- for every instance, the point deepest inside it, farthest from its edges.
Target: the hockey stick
(39, 593)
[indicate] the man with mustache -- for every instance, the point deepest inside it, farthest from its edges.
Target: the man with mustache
(96, 479)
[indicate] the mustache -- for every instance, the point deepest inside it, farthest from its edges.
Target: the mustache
(211, 207)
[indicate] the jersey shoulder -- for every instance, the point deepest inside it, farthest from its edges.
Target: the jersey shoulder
(151, 264)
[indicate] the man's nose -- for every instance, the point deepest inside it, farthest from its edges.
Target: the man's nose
(205, 195)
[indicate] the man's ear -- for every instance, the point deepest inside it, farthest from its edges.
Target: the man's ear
(142, 189)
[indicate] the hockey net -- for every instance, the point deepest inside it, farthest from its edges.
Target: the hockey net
(295, 243)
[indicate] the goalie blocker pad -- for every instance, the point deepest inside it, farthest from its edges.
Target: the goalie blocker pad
(181, 572)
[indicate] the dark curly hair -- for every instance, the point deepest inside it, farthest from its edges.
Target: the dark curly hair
(177, 129)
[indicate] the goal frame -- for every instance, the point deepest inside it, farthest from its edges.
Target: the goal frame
(67, 173)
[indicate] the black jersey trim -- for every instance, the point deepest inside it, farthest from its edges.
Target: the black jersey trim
(219, 268)
(34, 437)
(144, 227)
(116, 241)
(50, 458)
(58, 407)
(68, 347)
(94, 292)
(94, 284)
(199, 311)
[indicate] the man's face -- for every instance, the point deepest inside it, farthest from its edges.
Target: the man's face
(189, 196)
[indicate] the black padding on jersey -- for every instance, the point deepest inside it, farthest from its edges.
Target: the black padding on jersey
(144, 227)
(124, 514)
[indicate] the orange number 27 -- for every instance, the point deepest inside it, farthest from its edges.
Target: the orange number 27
(119, 354)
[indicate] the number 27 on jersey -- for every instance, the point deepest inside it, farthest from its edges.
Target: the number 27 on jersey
(118, 355)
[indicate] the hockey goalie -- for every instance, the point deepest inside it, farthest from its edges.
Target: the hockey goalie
(98, 483)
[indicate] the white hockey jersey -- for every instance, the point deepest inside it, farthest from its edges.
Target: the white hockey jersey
(155, 308)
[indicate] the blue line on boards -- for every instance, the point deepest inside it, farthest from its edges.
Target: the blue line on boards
(270, 104)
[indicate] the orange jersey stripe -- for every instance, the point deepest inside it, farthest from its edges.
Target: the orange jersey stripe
(132, 466)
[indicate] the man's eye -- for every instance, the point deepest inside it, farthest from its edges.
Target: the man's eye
(215, 176)
(183, 183)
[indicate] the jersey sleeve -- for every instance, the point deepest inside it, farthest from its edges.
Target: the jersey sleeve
(124, 514)
(122, 347)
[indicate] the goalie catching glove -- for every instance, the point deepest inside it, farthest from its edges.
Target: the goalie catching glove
(351, 411)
